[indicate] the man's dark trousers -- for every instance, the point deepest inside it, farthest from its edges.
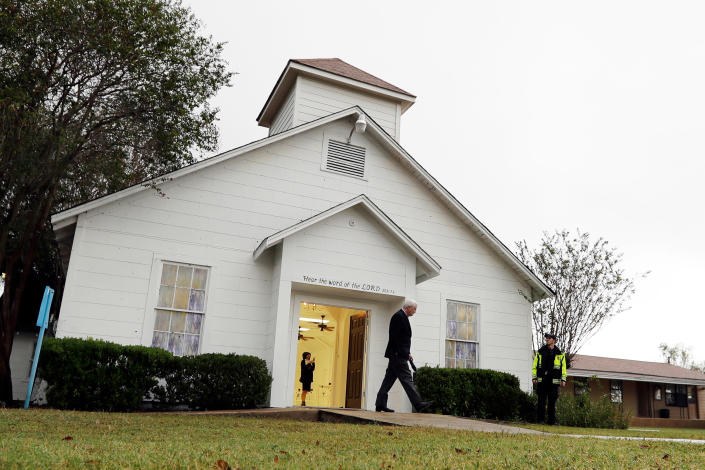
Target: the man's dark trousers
(398, 368)
(547, 390)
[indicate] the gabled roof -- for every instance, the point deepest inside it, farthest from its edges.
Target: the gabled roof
(332, 70)
(431, 268)
(538, 288)
(626, 369)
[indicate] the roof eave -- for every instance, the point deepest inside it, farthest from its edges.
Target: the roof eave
(635, 377)
(540, 289)
(431, 266)
(89, 205)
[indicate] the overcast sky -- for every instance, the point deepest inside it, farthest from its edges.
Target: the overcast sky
(536, 115)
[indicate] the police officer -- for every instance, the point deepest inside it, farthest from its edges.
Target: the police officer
(548, 373)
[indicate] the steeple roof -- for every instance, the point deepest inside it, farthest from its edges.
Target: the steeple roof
(342, 68)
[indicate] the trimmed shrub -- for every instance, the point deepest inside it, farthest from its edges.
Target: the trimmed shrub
(582, 412)
(218, 381)
(477, 393)
(98, 375)
(89, 374)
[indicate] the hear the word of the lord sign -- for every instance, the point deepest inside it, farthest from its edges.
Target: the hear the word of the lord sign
(363, 286)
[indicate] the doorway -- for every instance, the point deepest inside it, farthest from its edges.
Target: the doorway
(336, 339)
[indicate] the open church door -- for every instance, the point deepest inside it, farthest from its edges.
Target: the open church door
(356, 361)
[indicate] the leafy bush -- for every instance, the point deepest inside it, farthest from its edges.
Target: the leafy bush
(218, 381)
(582, 412)
(477, 393)
(99, 375)
(528, 404)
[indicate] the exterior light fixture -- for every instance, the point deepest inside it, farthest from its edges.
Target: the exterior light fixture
(360, 126)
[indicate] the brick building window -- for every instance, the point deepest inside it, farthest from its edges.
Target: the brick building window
(616, 391)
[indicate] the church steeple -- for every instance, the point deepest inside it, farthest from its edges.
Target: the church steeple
(309, 89)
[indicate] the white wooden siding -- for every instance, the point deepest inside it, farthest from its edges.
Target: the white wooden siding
(285, 117)
(317, 98)
(221, 213)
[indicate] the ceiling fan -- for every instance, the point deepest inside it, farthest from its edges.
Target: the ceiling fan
(323, 325)
(302, 337)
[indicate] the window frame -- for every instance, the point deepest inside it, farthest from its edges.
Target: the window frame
(580, 386)
(676, 395)
(476, 306)
(153, 305)
(617, 386)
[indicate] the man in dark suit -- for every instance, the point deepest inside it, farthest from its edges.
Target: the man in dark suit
(399, 354)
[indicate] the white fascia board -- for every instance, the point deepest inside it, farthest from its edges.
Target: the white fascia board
(63, 223)
(460, 209)
(640, 378)
(432, 267)
(75, 211)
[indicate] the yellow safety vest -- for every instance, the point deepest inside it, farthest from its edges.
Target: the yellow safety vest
(558, 365)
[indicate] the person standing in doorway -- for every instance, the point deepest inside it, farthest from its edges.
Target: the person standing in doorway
(308, 365)
(548, 373)
(399, 354)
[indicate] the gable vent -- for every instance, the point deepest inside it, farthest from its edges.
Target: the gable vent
(345, 158)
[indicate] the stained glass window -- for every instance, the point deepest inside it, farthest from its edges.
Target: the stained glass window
(181, 305)
(461, 335)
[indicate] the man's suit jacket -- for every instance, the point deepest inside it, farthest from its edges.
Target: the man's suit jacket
(399, 343)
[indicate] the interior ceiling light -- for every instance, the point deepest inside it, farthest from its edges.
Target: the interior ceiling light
(314, 320)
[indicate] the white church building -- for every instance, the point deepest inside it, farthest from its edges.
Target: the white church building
(306, 240)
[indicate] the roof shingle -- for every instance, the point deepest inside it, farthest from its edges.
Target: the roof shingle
(639, 370)
(339, 67)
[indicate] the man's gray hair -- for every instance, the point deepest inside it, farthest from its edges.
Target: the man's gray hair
(409, 303)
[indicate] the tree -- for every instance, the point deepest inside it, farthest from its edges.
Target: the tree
(677, 355)
(95, 95)
(681, 356)
(589, 283)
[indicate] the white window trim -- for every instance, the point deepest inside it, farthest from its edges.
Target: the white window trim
(155, 276)
(164, 263)
(444, 330)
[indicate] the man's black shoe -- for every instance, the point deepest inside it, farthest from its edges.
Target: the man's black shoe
(383, 409)
(423, 406)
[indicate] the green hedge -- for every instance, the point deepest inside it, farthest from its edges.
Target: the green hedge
(217, 381)
(97, 375)
(476, 393)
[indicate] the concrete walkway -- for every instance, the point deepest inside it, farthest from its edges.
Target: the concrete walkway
(347, 415)
(428, 420)
(635, 438)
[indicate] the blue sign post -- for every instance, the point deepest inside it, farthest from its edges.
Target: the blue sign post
(42, 323)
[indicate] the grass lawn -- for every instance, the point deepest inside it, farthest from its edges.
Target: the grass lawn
(50, 439)
(671, 433)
